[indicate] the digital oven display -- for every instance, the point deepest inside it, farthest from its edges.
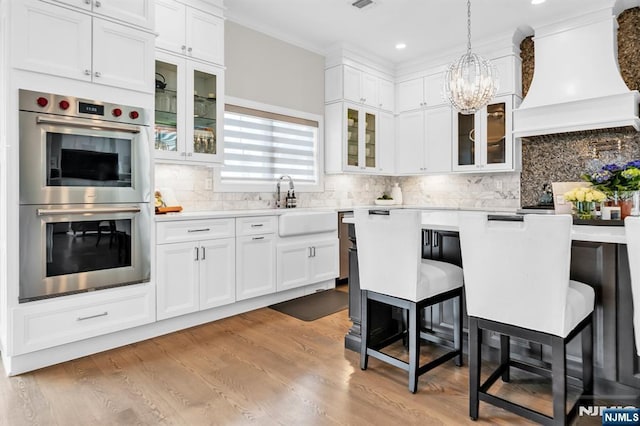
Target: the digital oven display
(92, 109)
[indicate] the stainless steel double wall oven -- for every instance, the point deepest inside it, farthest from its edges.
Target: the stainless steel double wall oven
(85, 194)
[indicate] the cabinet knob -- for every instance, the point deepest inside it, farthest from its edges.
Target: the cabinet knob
(87, 72)
(190, 50)
(183, 154)
(98, 3)
(87, 1)
(183, 47)
(189, 154)
(98, 74)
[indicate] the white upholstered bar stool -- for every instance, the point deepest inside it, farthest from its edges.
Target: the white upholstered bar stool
(516, 272)
(632, 231)
(392, 271)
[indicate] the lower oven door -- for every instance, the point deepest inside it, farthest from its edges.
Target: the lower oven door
(74, 248)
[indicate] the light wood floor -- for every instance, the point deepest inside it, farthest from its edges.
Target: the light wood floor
(261, 367)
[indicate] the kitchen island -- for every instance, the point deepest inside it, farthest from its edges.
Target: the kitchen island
(598, 258)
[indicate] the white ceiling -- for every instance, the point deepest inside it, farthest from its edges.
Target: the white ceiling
(428, 27)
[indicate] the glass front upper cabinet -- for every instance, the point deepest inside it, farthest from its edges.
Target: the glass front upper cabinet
(361, 138)
(188, 110)
(484, 140)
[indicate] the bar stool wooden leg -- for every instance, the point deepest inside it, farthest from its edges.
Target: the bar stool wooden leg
(474, 368)
(364, 329)
(559, 380)
(457, 329)
(505, 356)
(414, 347)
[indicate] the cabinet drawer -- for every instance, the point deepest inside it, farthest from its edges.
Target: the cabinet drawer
(56, 322)
(256, 225)
(194, 230)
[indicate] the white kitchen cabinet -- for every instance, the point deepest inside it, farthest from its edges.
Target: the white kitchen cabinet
(82, 47)
(190, 32)
(424, 141)
(194, 274)
(386, 143)
(420, 93)
(484, 141)
(344, 82)
(217, 272)
(189, 110)
(306, 261)
(352, 138)
(255, 256)
(177, 279)
(47, 323)
(135, 12)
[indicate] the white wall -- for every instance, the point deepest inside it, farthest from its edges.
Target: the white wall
(263, 69)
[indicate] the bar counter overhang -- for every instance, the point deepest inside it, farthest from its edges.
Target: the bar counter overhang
(598, 258)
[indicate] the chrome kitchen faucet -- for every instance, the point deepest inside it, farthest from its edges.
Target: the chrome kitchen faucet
(291, 196)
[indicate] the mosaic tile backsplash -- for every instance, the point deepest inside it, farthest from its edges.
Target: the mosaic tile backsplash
(499, 190)
(560, 158)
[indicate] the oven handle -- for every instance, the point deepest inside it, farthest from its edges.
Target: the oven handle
(91, 124)
(45, 212)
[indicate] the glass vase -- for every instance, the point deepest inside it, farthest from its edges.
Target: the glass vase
(584, 210)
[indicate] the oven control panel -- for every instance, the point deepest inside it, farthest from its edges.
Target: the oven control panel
(70, 106)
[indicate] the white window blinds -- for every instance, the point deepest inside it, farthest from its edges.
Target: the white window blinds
(261, 146)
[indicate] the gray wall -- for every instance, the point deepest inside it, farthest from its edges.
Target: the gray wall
(263, 69)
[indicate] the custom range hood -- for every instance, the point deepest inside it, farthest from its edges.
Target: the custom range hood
(577, 84)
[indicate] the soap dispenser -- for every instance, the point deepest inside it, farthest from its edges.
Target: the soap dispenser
(396, 193)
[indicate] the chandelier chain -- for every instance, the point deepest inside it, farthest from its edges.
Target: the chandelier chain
(468, 26)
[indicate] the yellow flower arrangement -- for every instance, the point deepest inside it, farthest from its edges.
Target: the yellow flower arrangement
(585, 194)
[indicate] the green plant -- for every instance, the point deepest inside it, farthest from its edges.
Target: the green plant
(615, 178)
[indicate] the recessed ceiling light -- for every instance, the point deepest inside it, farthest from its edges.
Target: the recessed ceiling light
(400, 46)
(537, 1)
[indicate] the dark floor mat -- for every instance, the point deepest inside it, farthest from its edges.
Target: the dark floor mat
(314, 306)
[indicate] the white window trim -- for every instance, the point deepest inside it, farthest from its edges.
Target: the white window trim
(220, 186)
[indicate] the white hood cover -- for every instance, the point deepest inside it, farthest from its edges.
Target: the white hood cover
(576, 83)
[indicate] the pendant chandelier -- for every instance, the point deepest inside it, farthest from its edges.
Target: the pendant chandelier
(471, 81)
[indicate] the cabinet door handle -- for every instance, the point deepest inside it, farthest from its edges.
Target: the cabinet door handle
(98, 74)
(257, 225)
(309, 255)
(104, 314)
(189, 154)
(190, 50)
(183, 47)
(199, 230)
(98, 4)
(313, 250)
(204, 253)
(258, 238)
(87, 72)
(197, 254)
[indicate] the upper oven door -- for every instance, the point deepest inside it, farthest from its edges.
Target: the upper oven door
(69, 160)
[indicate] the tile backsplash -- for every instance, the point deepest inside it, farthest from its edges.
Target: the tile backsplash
(498, 190)
(560, 158)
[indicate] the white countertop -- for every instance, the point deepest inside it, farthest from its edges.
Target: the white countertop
(442, 218)
(447, 220)
(219, 214)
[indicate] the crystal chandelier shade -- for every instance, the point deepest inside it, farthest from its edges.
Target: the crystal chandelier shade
(471, 81)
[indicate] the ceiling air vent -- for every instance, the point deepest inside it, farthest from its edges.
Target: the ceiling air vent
(362, 3)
